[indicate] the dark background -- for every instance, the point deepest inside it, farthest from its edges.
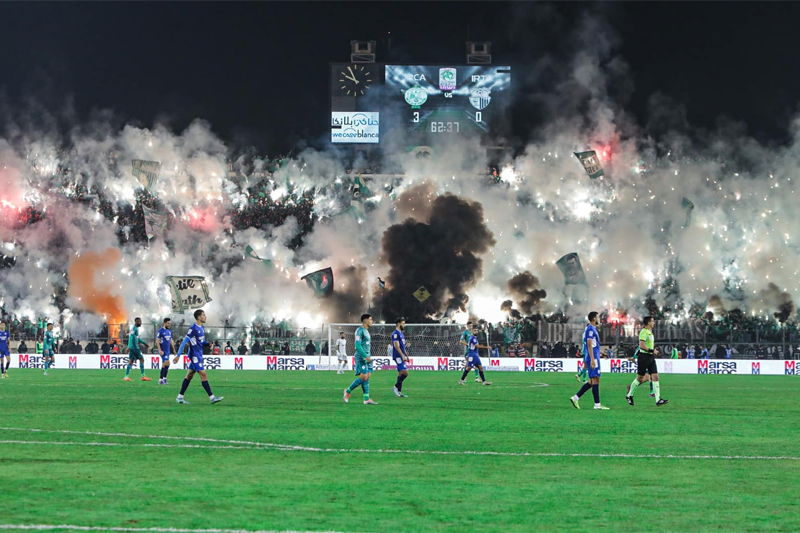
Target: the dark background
(258, 72)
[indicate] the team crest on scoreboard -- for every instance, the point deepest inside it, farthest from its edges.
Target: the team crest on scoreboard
(480, 98)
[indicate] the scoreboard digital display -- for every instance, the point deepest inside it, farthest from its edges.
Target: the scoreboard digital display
(447, 100)
(421, 103)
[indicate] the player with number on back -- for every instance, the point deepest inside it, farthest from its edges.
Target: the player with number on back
(473, 360)
(196, 338)
(363, 360)
(400, 356)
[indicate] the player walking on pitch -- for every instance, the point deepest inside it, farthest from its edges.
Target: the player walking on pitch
(465, 336)
(400, 356)
(134, 352)
(473, 359)
(5, 355)
(591, 360)
(49, 348)
(646, 363)
(196, 338)
(363, 360)
(165, 348)
(341, 353)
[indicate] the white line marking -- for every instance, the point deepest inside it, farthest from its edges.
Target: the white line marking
(42, 527)
(246, 445)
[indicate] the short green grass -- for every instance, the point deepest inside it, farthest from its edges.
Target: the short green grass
(251, 487)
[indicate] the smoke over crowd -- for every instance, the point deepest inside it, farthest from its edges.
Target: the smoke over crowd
(75, 247)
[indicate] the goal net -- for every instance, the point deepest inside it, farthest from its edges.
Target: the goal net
(424, 340)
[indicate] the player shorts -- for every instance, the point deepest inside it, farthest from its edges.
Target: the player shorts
(646, 364)
(401, 365)
(196, 364)
(4, 352)
(362, 367)
(593, 372)
(165, 358)
(48, 353)
(135, 354)
(342, 358)
(474, 361)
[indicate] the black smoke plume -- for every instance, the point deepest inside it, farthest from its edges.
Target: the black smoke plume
(525, 289)
(442, 254)
(774, 298)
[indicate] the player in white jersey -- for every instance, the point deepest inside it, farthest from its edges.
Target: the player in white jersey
(341, 353)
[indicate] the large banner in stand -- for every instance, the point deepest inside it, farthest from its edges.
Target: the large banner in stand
(503, 364)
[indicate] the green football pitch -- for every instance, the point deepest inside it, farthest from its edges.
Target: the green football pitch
(283, 452)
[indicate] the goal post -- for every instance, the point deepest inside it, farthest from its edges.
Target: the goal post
(424, 340)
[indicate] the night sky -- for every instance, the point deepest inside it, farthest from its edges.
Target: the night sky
(259, 71)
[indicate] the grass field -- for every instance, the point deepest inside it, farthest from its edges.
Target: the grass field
(338, 479)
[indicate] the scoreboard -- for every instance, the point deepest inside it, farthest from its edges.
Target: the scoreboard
(419, 104)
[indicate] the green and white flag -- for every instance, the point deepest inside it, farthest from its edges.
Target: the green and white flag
(590, 163)
(188, 292)
(155, 223)
(360, 191)
(146, 172)
(251, 253)
(320, 281)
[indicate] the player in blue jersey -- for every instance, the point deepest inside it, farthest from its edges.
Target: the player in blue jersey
(5, 355)
(49, 348)
(135, 350)
(196, 339)
(400, 356)
(473, 359)
(464, 340)
(363, 357)
(165, 347)
(591, 360)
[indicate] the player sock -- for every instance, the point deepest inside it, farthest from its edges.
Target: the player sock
(184, 386)
(633, 388)
(356, 382)
(483, 378)
(399, 383)
(163, 372)
(476, 373)
(657, 389)
(127, 370)
(596, 393)
(465, 374)
(365, 386)
(651, 387)
(207, 387)
(584, 389)
(141, 367)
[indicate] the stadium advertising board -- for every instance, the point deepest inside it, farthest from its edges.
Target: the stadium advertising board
(355, 127)
(316, 362)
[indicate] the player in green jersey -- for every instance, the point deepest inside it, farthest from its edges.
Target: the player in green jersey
(49, 348)
(134, 351)
(363, 360)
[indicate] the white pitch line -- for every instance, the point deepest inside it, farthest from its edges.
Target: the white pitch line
(231, 445)
(43, 527)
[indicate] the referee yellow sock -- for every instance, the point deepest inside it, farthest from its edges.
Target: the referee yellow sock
(634, 386)
(657, 389)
